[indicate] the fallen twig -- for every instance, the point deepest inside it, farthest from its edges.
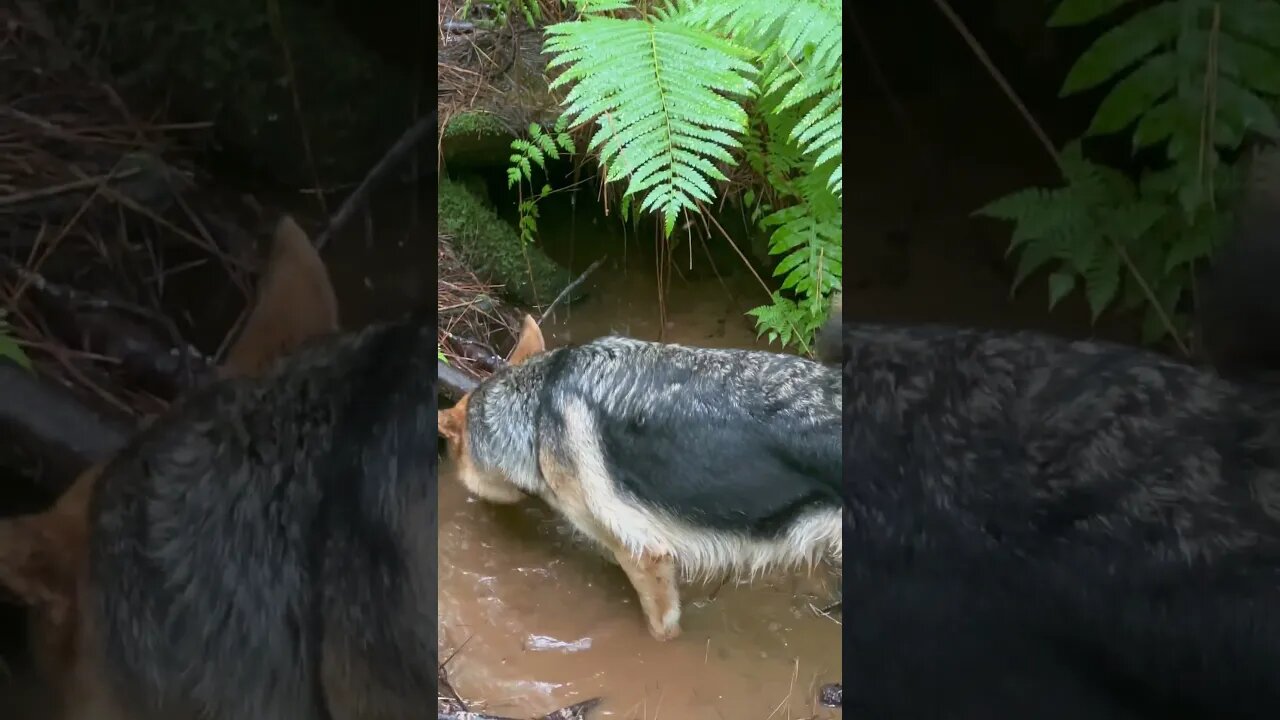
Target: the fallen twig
(401, 149)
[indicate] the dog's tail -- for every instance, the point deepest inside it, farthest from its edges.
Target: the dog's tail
(829, 345)
(1238, 316)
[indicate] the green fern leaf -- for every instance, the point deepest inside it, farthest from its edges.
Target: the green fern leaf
(1060, 285)
(1079, 12)
(1158, 123)
(1188, 249)
(1132, 220)
(1124, 45)
(1254, 20)
(1102, 282)
(801, 43)
(1034, 212)
(1016, 206)
(1034, 257)
(1130, 97)
(656, 89)
(1255, 112)
(596, 7)
(1254, 67)
(536, 154)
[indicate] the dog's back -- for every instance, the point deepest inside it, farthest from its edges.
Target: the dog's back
(264, 551)
(737, 442)
(1119, 509)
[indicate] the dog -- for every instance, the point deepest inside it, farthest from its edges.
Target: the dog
(263, 549)
(676, 461)
(1058, 528)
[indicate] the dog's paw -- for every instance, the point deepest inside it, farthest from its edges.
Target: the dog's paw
(668, 628)
(665, 634)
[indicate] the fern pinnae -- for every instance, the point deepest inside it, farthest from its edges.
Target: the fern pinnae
(669, 100)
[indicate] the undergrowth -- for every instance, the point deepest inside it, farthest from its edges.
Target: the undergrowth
(1192, 82)
(674, 94)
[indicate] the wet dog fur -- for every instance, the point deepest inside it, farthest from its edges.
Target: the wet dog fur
(678, 462)
(1047, 528)
(265, 548)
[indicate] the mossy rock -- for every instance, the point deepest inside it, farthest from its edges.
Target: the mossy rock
(224, 60)
(492, 248)
(475, 139)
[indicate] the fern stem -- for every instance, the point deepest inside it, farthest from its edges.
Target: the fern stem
(945, 8)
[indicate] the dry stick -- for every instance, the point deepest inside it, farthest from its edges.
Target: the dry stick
(568, 289)
(999, 78)
(70, 295)
(72, 186)
(402, 147)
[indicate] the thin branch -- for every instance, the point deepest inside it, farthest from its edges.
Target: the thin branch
(394, 155)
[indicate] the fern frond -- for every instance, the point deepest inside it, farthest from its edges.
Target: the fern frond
(802, 53)
(597, 7)
(814, 261)
(1122, 46)
(785, 321)
(1079, 12)
(805, 31)
(662, 96)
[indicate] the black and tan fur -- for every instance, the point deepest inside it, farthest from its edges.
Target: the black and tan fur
(677, 461)
(263, 549)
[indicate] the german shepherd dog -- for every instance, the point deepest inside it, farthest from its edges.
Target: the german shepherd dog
(675, 460)
(1056, 529)
(265, 549)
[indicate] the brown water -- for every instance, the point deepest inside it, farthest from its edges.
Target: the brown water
(539, 621)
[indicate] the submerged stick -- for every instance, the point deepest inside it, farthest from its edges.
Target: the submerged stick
(569, 288)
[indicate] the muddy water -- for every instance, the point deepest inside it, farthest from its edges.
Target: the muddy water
(539, 621)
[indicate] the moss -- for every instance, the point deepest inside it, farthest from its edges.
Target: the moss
(475, 123)
(491, 247)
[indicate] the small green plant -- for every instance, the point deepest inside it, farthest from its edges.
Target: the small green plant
(1196, 77)
(525, 154)
(503, 10)
(9, 347)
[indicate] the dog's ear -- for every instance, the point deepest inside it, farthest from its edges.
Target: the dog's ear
(41, 554)
(531, 342)
(295, 302)
(452, 423)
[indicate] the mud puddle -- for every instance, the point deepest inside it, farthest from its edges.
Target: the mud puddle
(535, 620)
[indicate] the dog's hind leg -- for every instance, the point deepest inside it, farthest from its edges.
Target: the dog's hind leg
(654, 577)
